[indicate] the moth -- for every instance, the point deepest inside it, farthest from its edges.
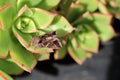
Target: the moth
(48, 40)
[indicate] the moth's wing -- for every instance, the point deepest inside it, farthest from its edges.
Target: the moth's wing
(56, 44)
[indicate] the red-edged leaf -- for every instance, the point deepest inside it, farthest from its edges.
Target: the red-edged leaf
(4, 76)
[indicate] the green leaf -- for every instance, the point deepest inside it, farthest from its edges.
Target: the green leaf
(61, 25)
(86, 18)
(76, 52)
(42, 18)
(89, 39)
(7, 7)
(89, 5)
(61, 53)
(48, 4)
(4, 76)
(30, 3)
(22, 57)
(101, 18)
(102, 8)
(9, 67)
(4, 43)
(101, 24)
(113, 10)
(64, 6)
(75, 12)
(42, 57)
(25, 25)
(6, 20)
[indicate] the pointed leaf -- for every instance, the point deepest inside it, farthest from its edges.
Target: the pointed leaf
(101, 24)
(42, 57)
(42, 18)
(30, 3)
(89, 39)
(61, 25)
(89, 4)
(86, 18)
(10, 67)
(4, 43)
(102, 8)
(26, 25)
(48, 4)
(39, 17)
(75, 12)
(113, 6)
(61, 53)
(64, 6)
(4, 76)
(76, 52)
(6, 7)
(22, 57)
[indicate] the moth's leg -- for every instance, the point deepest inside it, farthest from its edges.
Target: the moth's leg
(47, 45)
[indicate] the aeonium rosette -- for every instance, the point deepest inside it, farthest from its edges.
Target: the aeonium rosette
(19, 28)
(33, 22)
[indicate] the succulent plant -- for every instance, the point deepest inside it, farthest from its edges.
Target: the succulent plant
(78, 24)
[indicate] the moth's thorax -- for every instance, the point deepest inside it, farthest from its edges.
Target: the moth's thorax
(48, 40)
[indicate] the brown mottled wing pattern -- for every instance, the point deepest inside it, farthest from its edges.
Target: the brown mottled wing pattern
(48, 40)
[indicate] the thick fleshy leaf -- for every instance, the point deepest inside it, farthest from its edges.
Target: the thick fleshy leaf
(21, 56)
(5, 23)
(7, 7)
(102, 8)
(75, 12)
(41, 18)
(48, 4)
(101, 24)
(30, 3)
(89, 5)
(76, 52)
(26, 25)
(4, 43)
(61, 25)
(42, 57)
(61, 53)
(86, 18)
(113, 6)
(64, 6)
(38, 17)
(25, 40)
(9, 67)
(89, 39)
(4, 76)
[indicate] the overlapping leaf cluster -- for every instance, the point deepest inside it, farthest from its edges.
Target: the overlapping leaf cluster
(80, 25)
